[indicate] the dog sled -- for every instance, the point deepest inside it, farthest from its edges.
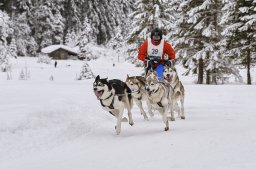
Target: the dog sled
(166, 75)
(151, 60)
(160, 88)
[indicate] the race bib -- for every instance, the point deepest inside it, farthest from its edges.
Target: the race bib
(156, 51)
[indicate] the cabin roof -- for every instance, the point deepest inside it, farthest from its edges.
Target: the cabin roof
(53, 48)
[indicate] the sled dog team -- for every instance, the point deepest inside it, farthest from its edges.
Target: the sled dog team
(165, 96)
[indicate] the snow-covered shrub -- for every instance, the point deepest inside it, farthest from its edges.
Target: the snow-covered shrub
(43, 58)
(13, 48)
(86, 72)
(51, 78)
(4, 58)
(88, 53)
(22, 75)
(9, 75)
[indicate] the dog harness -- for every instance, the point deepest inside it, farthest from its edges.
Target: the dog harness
(159, 103)
(111, 105)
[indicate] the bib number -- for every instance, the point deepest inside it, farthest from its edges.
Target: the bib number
(154, 51)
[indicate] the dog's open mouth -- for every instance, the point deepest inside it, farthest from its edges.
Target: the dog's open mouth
(150, 92)
(98, 94)
(169, 78)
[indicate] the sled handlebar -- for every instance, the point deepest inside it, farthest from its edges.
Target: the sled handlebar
(156, 59)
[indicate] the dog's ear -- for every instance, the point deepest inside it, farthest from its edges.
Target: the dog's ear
(97, 78)
(168, 63)
(172, 64)
(105, 79)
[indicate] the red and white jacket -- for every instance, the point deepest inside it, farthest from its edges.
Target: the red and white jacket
(167, 50)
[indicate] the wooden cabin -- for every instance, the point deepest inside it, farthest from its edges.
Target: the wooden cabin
(61, 52)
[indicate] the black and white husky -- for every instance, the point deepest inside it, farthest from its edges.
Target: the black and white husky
(114, 96)
(137, 86)
(177, 91)
(157, 94)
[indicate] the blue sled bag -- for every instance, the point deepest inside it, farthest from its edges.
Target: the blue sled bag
(159, 71)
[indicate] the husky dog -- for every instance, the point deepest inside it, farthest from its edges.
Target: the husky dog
(177, 91)
(114, 96)
(137, 86)
(157, 94)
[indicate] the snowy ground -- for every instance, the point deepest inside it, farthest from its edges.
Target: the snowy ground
(59, 125)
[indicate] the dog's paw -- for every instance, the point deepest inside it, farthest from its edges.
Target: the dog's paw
(118, 131)
(145, 118)
(171, 118)
(182, 117)
(166, 128)
(131, 123)
(151, 114)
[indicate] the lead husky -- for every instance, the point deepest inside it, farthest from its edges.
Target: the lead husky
(158, 96)
(114, 96)
(137, 86)
(177, 91)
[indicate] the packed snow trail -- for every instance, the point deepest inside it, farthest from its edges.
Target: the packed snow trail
(59, 125)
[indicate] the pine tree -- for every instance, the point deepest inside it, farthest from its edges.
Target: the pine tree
(72, 39)
(22, 75)
(149, 14)
(26, 44)
(198, 39)
(86, 72)
(239, 31)
(73, 15)
(4, 32)
(3, 56)
(47, 23)
(13, 48)
(58, 28)
(117, 41)
(5, 26)
(86, 36)
(106, 15)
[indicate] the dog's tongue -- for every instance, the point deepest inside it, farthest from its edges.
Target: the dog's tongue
(98, 94)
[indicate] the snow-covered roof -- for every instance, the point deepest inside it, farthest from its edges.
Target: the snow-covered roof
(52, 48)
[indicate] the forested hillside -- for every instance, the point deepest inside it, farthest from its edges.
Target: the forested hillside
(212, 38)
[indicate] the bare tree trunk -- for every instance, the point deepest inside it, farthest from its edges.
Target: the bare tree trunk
(248, 63)
(208, 76)
(214, 76)
(200, 71)
(154, 19)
